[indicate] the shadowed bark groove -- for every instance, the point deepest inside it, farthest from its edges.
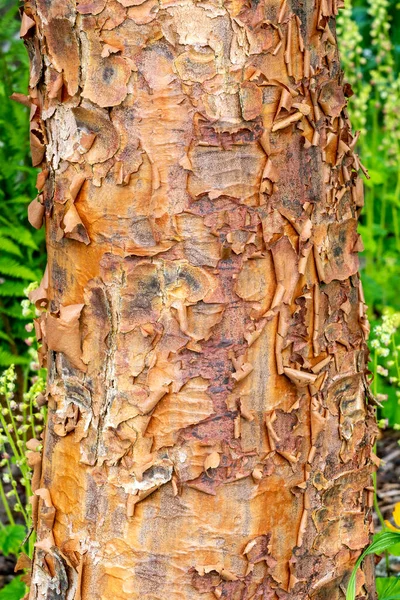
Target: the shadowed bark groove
(209, 434)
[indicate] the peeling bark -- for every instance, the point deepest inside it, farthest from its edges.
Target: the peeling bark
(203, 319)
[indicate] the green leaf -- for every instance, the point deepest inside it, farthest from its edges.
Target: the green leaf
(388, 588)
(19, 234)
(382, 542)
(7, 359)
(15, 590)
(9, 246)
(376, 177)
(4, 336)
(14, 269)
(394, 550)
(12, 288)
(14, 311)
(11, 538)
(21, 199)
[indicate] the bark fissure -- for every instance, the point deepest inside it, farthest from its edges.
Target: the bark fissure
(109, 374)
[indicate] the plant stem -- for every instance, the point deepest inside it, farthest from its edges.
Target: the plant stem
(6, 505)
(380, 516)
(10, 439)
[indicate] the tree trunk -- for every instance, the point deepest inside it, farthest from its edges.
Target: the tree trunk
(209, 434)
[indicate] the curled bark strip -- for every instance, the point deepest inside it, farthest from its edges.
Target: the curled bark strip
(36, 213)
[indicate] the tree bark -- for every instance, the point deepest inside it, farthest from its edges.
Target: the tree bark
(209, 434)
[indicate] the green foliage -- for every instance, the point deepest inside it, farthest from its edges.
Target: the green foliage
(20, 426)
(22, 253)
(14, 590)
(388, 588)
(11, 539)
(18, 423)
(385, 366)
(382, 542)
(369, 40)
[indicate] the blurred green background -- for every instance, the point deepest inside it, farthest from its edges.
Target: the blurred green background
(369, 41)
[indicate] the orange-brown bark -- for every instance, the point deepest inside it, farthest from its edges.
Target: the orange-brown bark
(209, 434)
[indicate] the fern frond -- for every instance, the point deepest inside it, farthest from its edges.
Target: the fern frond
(20, 199)
(7, 359)
(12, 268)
(14, 311)
(4, 336)
(13, 289)
(19, 234)
(9, 246)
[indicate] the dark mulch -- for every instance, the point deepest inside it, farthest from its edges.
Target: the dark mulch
(7, 564)
(388, 484)
(389, 472)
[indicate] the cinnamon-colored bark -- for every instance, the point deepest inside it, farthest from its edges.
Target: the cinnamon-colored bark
(209, 434)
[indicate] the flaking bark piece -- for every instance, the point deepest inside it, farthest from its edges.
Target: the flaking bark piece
(283, 123)
(95, 121)
(113, 15)
(63, 48)
(201, 320)
(35, 462)
(286, 267)
(73, 226)
(191, 405)
(332, 99)
(90, 7)
(33, 444)
(41, 179)
(220, 172)
(145, 13)
(26, 24)
(250, 100)
(201, 247)
(21, 99)
(35, 57)
(76, 185)
(108, 49)
(55, 8)
(37, 147)
(258, 549)
(106, 81)
(285, 102)
(63, 334)
(299, 378)
(23, 562)
(196, 66)
(39, 296)
(55, 86)
(36, 213)
(129, 154)
(212, 461)
(337, 255)
(127, 3)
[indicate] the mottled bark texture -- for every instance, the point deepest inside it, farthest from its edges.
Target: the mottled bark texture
(204, 326)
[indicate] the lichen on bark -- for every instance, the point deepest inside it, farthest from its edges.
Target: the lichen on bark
(203, 318)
